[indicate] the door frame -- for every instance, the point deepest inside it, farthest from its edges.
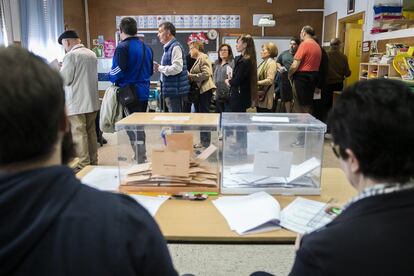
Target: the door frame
(349, 19)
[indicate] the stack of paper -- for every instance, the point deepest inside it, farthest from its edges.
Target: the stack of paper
(255, 213)
(103, 178)
(151, 203)
(246, 174)
(198, 175)
(260, 212)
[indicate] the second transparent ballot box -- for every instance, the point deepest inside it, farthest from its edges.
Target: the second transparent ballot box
(275, 152)
(168, 152)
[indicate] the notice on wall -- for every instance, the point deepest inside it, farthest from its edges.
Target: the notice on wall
(185, 21)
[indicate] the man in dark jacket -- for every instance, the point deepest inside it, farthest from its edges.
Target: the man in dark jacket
(373, 138)
(51, 224)
(338, 71)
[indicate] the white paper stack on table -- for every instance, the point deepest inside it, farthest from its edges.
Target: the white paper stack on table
(255, 213)
(151, 203)
(103, 178)
(260, 212)
(107, 179)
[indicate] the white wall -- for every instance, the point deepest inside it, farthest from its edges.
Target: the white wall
(340, 6)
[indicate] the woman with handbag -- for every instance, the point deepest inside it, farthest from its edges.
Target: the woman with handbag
(266, 75)
(222, 70)
(201, 73)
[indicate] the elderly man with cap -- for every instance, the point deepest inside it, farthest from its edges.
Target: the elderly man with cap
(79, 72)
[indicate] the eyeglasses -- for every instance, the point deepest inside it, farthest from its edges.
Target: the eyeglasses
(336, 149)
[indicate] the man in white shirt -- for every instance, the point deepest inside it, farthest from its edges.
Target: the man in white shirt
(174, 75)
(79, 72)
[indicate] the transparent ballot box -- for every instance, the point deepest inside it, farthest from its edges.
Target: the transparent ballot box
(168, 152)
(273, 152)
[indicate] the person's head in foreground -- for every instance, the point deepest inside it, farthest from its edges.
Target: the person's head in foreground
(51, 224)
(372, 125)
(373, 132)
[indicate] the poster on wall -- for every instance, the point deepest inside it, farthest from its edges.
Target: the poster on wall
(185, 21)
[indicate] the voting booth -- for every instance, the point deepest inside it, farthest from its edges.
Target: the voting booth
(272, 152)
(169, 152)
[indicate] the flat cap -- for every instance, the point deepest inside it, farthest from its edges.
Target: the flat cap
(67, 34)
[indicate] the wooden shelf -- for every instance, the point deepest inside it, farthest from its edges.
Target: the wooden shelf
(377, 70)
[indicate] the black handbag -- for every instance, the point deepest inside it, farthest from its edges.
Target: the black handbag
(194, 94)
(127, 94)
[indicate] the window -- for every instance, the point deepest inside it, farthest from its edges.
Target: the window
(3, 33)
(41, 24)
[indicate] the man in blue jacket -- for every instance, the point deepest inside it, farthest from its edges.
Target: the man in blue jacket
(173, 69)
(132, 65)
(51, 223)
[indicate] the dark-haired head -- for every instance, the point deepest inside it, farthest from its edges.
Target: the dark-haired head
(225, 50)
(128, 26)
(374, 122)
(32, 112)
(169, 27)
(249, 53)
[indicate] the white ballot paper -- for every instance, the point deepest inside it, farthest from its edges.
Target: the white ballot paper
(267, 141)
(255, 213)
(229, 72)
(304, 215)
(272, 163)
(103, 178)
(151, 203)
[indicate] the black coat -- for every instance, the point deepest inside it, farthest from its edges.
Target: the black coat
(240, 89)
(374, 236)
(51, 224)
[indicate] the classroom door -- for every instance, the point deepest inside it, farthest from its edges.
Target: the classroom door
(352, 49)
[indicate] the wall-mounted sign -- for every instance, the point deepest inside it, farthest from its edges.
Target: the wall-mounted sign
(186, 21)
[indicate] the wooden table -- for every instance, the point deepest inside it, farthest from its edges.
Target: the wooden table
(200, 221)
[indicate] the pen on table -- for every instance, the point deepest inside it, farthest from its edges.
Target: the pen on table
(151, 193)
(204, 193)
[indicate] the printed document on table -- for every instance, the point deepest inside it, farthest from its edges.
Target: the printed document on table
(255, 213)
(304, 215)
(151, 203)
(103, 178)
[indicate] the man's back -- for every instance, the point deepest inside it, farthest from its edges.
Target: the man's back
(57, 226)
(132, 64)
(338, 67)
(80, 74)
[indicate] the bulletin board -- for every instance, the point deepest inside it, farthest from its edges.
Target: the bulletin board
(282, 43)
(151, 39)
(330, 27)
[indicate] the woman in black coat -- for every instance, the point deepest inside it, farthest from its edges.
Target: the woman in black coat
(243, 88)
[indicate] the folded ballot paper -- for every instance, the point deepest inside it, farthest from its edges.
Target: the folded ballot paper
(260, 212)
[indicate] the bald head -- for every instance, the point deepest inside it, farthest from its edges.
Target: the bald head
(335, 43)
